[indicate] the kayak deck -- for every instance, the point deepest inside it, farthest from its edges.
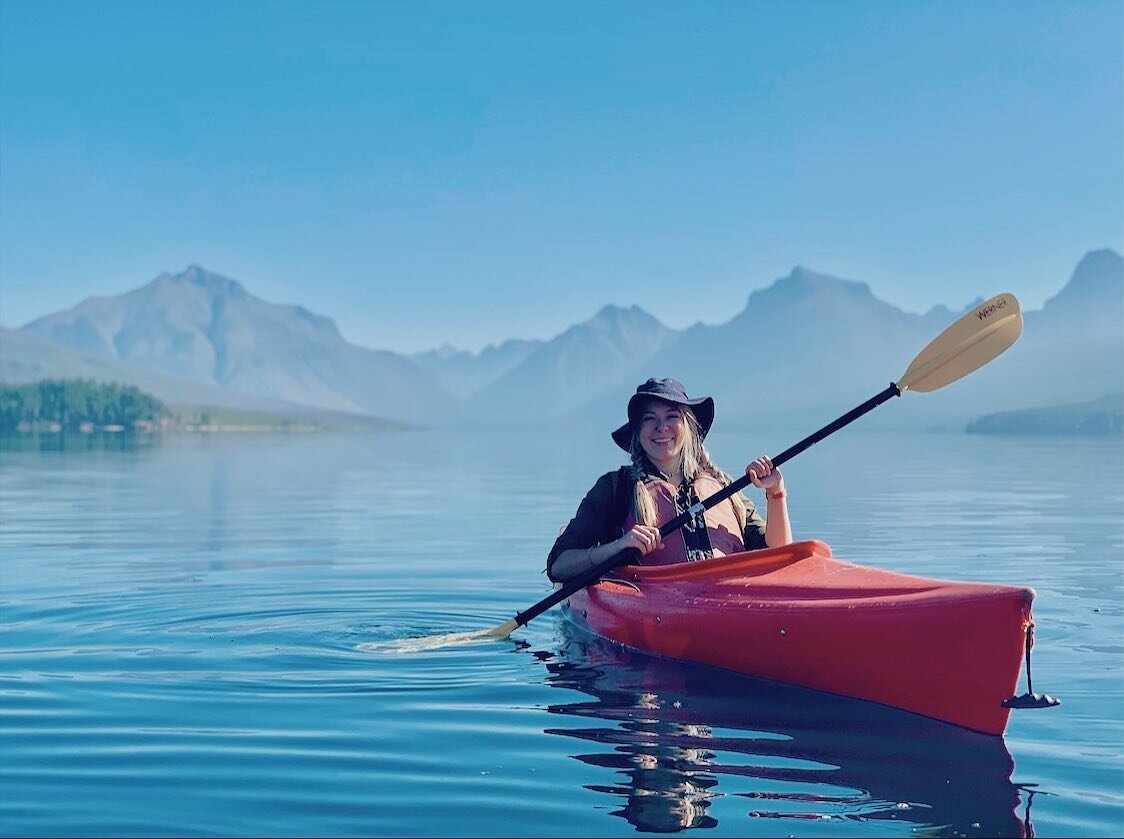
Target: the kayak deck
(948, 650)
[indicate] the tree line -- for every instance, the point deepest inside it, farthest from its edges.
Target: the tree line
(72, 403)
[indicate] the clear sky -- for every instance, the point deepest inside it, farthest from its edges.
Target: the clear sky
(468, 172)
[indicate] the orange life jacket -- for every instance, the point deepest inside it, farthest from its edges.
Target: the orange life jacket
(722, 525)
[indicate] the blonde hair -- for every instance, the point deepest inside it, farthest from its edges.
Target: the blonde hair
(695, 461)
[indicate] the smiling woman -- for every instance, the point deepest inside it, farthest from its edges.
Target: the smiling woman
(669, 474)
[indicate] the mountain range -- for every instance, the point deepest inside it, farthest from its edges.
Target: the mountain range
(809, 345)
(208, 329)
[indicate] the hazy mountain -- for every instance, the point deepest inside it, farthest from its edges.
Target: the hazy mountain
(800, 352)
(1071, 350)
(583, 362)
(28, 358)
(811, 346)
(1092, 301)
(463, 373)
(806, 342)
(209, 329)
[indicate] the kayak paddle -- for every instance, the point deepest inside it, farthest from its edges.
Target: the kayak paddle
(968, 344)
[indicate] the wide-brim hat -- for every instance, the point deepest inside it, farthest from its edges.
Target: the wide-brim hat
(666, 390)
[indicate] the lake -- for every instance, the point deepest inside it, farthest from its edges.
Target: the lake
(181, 616)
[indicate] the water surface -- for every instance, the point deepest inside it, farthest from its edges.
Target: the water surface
(180, 620)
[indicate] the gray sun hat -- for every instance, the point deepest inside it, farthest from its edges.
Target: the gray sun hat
(666, 390)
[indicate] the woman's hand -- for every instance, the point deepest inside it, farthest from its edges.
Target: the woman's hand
(643, 537)
(764, 476)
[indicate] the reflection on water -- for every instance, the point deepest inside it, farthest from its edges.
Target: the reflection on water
(71, 441)
(679, 737)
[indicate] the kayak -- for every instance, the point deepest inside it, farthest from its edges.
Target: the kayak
(947, 650)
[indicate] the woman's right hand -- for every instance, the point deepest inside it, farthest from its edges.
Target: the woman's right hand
(644, 537)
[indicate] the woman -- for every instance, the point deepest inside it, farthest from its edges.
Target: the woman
(670, 471)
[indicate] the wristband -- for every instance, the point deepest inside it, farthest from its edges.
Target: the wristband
(771, 495)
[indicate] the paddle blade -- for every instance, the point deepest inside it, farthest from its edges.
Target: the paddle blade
(434, 642)
(503, 630)
(970, 343)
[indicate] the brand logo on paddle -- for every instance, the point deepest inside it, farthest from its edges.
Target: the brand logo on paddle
(988, 311)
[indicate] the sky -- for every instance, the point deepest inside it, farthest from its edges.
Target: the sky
(462, 173)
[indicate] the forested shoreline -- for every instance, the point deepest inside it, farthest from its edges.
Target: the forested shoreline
(60, 406)
(79, 405)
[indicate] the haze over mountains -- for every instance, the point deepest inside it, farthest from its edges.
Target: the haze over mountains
(809, 345)
(209, 329)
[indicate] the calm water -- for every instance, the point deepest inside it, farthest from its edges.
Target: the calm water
(180, 622)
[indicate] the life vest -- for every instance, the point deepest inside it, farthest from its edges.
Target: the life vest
(722, 523)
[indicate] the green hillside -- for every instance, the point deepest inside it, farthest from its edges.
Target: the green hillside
(77, 405)
(85, 405)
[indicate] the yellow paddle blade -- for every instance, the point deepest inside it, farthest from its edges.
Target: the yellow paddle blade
(970, 343)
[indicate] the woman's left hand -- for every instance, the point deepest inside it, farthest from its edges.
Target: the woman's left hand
(764, 476)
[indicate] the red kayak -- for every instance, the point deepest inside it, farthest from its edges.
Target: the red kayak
(947, 650)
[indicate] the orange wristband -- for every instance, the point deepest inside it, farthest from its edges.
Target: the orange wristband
(771, 495)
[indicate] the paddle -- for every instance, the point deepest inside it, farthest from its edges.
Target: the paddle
(970, 343)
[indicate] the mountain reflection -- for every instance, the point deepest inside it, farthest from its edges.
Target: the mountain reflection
(679, 737)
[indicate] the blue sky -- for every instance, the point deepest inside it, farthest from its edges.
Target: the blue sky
(468, 172)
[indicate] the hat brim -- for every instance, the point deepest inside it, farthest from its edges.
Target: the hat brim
(702, 408)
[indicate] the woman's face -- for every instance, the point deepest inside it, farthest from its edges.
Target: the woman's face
(663, 433)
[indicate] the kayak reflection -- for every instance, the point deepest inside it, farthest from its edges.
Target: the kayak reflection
(681, 736)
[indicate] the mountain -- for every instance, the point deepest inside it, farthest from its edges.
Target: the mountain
(807, 343)
(209, 329)
(463, 373)
(812, 346)
(1071, 350)
(28, 358)
(802, 351)
(580, 364)
(1093, 297)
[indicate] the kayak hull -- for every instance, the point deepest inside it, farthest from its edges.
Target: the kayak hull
(947, 650)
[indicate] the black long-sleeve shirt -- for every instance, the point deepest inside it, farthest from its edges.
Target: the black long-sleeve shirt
(601, 514)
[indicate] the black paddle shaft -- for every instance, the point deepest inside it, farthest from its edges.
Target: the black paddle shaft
(594, 573)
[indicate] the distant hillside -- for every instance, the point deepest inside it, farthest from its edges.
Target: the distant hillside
(807, 339)
(464, 373)
(25, 358)
(800, 351)
(1071, 350)
(1093, 298)
(208, 328)
(812, 346)
(1099, 418)
(578, 365)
